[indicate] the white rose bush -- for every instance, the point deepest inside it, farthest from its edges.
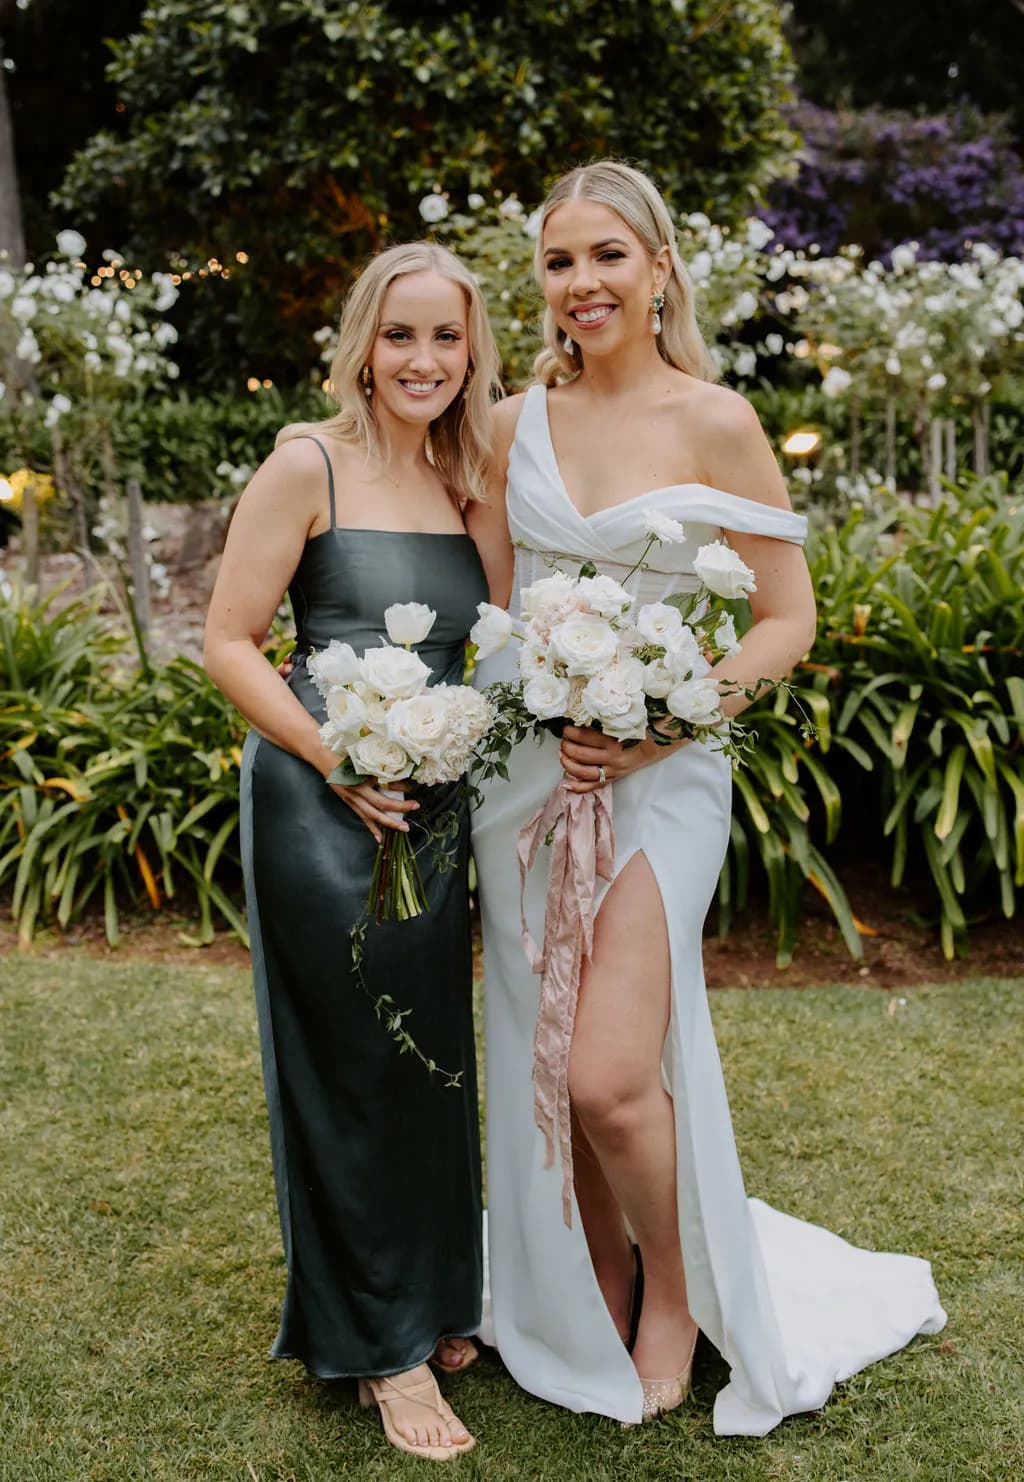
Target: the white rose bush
(387, 724)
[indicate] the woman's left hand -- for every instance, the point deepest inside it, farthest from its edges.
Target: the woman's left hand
(591, 760)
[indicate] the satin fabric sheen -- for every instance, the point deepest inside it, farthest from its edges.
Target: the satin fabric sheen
(376, 1163)
(791, 1307)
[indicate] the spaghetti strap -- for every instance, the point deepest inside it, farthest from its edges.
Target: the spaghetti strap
(330, 472)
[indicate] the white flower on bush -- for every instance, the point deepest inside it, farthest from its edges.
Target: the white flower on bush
(70, 243)
(27, 348)
(420, 724)
(657, 622)
(722, 571)
(531, 226)
(604, 595)
(23, 308)
(475, 201)
(408, 622)
(695, 701)
(6, 283)
(491, 631)
(836, 381)
(511, 206)
(936, 382)
(433, 208)
(58, 407)
(584, 643)
(744, 361)
(337, 664)
(774, 344)
(395, 673)
(380, 758)
(664, 528)
(759, 233)
(546, 696)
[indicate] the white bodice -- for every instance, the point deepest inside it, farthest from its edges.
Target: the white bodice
(544, 522)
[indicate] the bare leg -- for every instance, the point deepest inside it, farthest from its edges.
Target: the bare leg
(617, 1093)
(610, 1249)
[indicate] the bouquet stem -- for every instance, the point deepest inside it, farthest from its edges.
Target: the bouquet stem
(396, 886)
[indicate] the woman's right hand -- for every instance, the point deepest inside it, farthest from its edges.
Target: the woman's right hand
(377, 809)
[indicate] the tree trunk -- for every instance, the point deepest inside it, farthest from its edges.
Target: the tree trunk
(30, 535)
(65, 480)
(137, 555)
(12, 230)
(951, 449)
(980, 412)
(855, 435)
(935, 430)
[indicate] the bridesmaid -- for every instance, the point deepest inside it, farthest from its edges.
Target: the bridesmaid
(376, 1162)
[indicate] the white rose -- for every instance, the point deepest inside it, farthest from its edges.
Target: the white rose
(433, 207)
(664, 528)
(546, 696)
(695, 700)
(584, 643)
(725, 635)
(336, 664)
(70, 243)
(552, 594)
(395, 673)
(420, 725)
(380, 758)
(632, 725)
(615, 692)
(659, 623)
(492, 631)
(603, 595)
(408, 622)
(722, 571)
(346, 716)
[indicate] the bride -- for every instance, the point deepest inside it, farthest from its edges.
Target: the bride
(624, 422)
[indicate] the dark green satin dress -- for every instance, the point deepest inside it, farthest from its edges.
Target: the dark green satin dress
(376, 1162)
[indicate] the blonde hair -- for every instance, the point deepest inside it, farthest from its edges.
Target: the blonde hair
(460, 437)
(631, 195)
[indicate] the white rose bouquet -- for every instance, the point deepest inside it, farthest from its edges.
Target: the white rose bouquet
(592, 657)
(386, 725)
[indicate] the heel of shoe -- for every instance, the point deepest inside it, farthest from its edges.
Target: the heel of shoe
(366, 1399)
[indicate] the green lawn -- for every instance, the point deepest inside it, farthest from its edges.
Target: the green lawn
(141, 1270)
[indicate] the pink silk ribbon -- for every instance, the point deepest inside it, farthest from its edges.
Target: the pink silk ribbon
(578, 827)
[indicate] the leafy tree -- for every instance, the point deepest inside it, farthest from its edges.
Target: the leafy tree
(302, 133)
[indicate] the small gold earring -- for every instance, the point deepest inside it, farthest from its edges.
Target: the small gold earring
(366, 376)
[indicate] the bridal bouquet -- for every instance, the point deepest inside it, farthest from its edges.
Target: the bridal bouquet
(387, 725)
(592, 656)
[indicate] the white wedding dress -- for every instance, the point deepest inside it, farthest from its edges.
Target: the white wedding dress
(791, 1307)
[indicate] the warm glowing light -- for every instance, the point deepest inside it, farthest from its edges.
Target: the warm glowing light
(95, 280)
(241, 257)
(253, 383)
(186, 277)
(6, 491)
(802, 442)
(175, 279)
(267, 385)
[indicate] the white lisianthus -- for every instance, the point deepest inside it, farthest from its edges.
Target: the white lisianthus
(346, 718)
(492, 630)
(408, 622)
(584, 643)
(551, 596)
(420, 725)
(70, 243)
(336, 664)
(385, 760)
(433, 208)
(725, 635)
(695, 701)
(659, 623)
(604, 595)
(395, 673)
(664, 528)
(722, 571)
(546, 696)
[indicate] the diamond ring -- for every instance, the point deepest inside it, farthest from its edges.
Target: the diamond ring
(601, 775)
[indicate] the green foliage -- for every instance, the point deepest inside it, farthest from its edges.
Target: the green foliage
(305, 133)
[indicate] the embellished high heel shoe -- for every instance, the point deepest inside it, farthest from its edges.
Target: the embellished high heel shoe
(661, 1395)
(387, 1391)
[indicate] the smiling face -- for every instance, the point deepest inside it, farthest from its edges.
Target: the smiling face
(420, 353)
(598, 276)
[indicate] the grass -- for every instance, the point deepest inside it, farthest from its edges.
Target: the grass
(141, 1268)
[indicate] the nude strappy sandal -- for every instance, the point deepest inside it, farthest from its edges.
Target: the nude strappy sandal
(385, 1391)
(470, 1351)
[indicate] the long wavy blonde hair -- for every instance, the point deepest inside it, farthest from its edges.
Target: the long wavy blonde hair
(631, 195)
(460, 438)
